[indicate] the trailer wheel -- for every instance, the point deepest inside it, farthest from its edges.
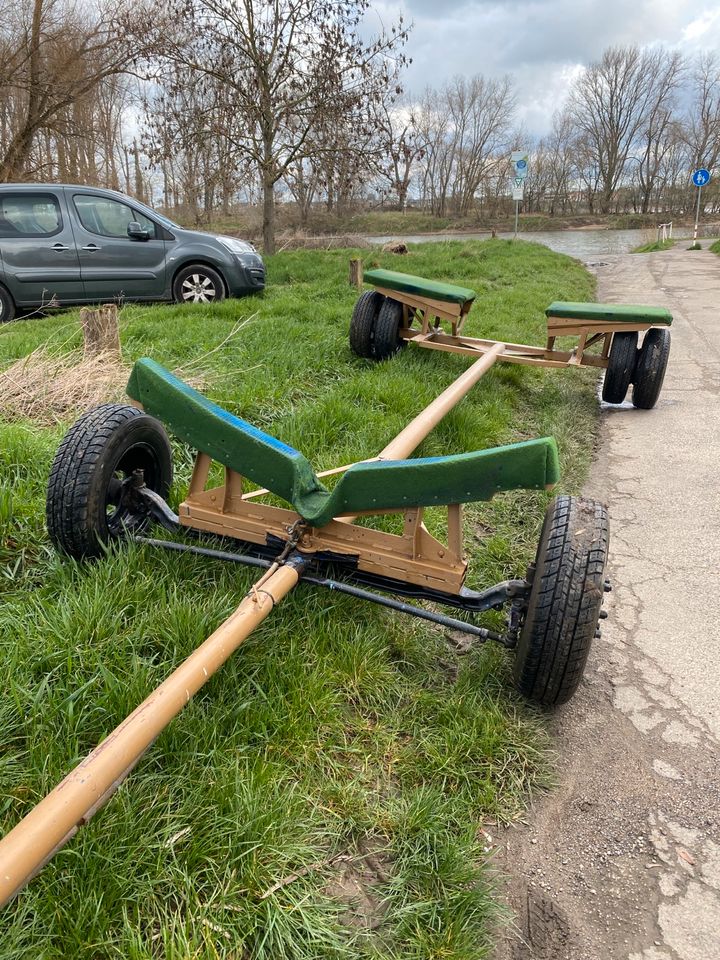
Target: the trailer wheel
(98, 452)
(565, 600)
(387, 342)
(362, 323)
(650, 370)
(621, 367)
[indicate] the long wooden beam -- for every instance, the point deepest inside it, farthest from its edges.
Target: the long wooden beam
(415, 432)
(49, 825)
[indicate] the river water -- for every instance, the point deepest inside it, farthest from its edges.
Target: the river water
(583, 244)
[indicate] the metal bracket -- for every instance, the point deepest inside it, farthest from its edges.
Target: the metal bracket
(493, 597)
(138, 501)
(141, 502)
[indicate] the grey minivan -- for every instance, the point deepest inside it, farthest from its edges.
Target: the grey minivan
(62, 244)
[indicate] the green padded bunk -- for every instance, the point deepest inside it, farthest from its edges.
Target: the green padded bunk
(419, 287)
(377, 485)
(610, 313)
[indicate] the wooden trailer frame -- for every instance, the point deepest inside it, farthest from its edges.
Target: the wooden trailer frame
(427, 305)
(386, 483)
(293, 544)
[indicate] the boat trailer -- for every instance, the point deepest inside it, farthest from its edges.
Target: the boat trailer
(112, 473)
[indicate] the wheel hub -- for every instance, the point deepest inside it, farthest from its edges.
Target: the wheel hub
(198, 288)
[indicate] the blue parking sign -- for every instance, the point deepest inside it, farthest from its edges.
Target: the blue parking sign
(701, 177)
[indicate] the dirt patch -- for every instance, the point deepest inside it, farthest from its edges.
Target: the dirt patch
(357, 883)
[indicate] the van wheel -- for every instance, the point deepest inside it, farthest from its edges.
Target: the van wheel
(7, 306)
(198, 284)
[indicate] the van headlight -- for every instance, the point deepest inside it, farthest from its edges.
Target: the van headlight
(236, 246)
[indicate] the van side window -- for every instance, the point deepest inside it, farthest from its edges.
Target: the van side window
(108, 218)
(29, 215)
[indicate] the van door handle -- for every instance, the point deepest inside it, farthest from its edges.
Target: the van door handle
(60, 246)
(92, 246)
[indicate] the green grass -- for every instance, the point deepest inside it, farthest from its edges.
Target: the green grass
(654, 246)
(715, 247)
(339, 728)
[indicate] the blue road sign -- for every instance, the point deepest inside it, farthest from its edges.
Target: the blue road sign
(701, 177)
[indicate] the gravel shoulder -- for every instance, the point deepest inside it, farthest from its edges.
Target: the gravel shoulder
(622, 860)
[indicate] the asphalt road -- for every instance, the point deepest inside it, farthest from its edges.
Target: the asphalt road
(622, 860)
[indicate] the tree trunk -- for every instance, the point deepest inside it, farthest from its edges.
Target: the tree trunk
(268, 217)
(12, 164)
(402, 196)
(138, 174)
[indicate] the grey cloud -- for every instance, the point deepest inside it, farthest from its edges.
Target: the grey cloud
(539, 43)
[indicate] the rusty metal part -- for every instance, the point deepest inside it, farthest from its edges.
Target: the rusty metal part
(345, 579)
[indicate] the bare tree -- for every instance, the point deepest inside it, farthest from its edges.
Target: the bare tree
(609, 105)
(561, 159)
(700, 128)
(658, 130)
(401, 145)
(464, 129)
(191, 128)
(290, 65)
(54, 53)
(481, 113)
(435, 132)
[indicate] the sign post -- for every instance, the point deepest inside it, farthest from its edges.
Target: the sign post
(519, 160)
(700, 178)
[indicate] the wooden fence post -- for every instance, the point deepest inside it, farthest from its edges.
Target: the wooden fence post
(356, 273)
(101, 330)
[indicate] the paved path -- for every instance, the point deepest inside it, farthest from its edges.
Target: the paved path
(622, 860)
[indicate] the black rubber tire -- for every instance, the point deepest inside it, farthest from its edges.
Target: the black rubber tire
(104, 445)
(565, 601)
(651, 366)
(387, 326)
(362, 323)
(7, 306)
(621, 367)
(208, 280)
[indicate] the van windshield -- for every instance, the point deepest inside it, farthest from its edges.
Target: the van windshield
(165, 221)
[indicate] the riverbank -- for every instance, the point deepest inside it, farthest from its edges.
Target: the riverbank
(380, 223)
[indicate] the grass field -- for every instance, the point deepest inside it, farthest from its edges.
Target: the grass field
(655, 246)
(325, 795)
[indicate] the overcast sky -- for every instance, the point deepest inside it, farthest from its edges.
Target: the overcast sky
(542, 44)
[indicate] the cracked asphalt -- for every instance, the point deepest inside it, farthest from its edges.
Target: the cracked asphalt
(622, 860)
